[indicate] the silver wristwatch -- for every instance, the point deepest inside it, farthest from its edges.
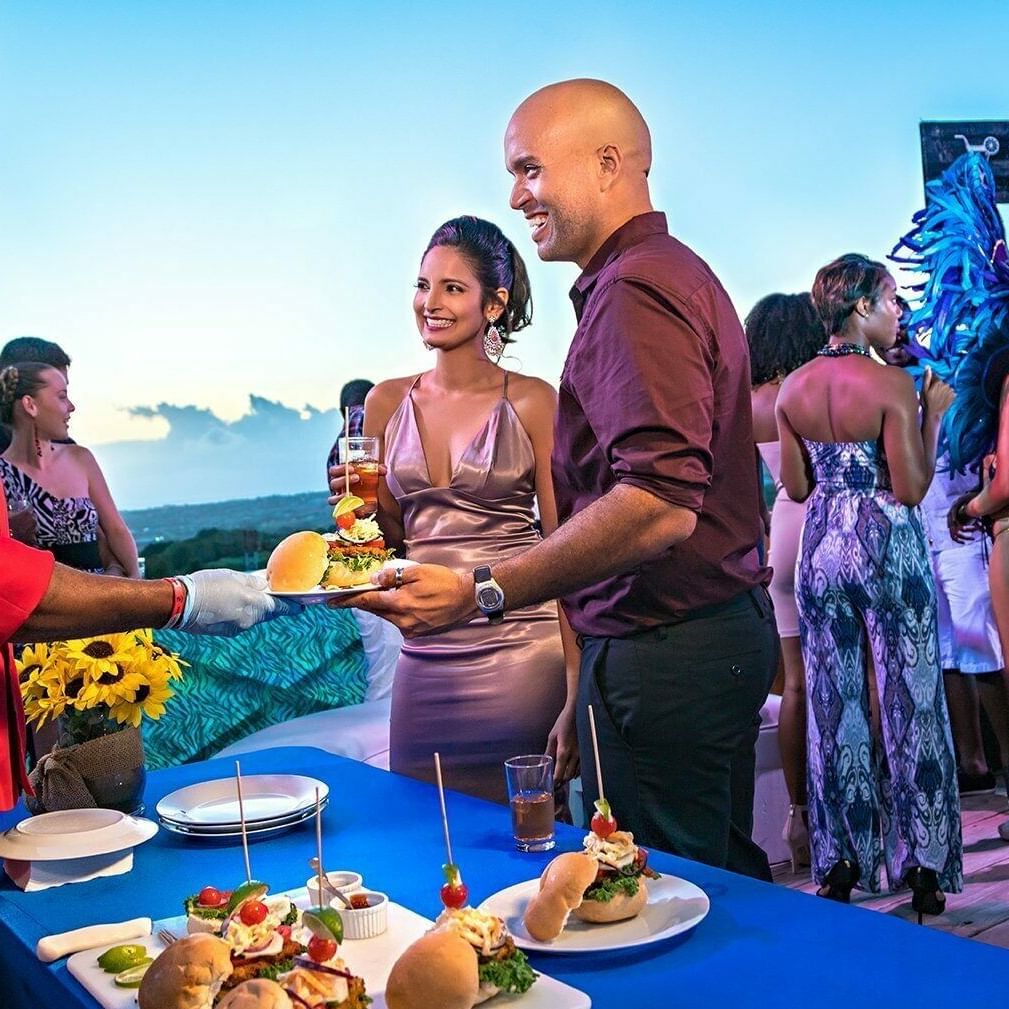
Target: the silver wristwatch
(489, 595)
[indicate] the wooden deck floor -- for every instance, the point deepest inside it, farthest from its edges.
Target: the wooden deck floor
(982, 911)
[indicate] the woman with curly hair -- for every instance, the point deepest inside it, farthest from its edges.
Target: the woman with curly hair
(784, 332)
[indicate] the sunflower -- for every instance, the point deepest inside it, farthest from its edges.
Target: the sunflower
(34, 659)
(149, 698)
(97, 657)
(121, 683)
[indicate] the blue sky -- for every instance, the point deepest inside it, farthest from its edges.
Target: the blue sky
(202, 200)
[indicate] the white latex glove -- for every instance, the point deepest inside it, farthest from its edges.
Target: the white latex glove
(226, 602)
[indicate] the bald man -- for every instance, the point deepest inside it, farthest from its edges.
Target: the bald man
(656, 560)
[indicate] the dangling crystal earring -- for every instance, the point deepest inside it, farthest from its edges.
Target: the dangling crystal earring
(493, 345)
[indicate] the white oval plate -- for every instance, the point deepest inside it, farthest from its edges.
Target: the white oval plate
(264, 797)
(254, 832)
(74, 833)
(234, 829)
(313, 597)
(674, 906)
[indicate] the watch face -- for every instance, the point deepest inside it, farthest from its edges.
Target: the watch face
(490, 598)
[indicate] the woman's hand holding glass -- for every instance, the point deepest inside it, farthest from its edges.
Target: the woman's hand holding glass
(338, 480)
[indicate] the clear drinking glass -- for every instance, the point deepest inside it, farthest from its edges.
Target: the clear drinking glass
(362, 453)
(20, 517)
(530, 780)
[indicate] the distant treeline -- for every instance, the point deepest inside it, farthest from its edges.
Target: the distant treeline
(267, 514)
(240, 549)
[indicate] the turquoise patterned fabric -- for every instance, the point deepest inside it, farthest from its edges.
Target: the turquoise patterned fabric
(272, 673)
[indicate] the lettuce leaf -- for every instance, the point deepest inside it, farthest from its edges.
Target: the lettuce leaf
(192, 906)
(511, 975)
(271, 970)
(610, 886)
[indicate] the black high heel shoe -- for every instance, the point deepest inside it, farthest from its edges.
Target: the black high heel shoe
(839, 882)
(926, 897)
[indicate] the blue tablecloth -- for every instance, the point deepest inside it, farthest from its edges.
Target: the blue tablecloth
(761, 945)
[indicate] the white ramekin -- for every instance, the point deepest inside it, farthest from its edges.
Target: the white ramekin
(365, 922)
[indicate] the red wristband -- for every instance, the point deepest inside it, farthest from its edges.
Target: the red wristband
(178, 602)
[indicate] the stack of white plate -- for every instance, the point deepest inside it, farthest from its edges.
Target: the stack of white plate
(272, 803)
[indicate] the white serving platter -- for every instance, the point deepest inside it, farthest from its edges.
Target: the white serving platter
(371, 959)
(74, 833)
(674, 906)
(264, 797)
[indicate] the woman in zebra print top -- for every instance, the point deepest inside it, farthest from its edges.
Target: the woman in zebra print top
(62, 482)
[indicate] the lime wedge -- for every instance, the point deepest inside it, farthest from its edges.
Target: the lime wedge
(132, 976)
(347, 503)
(247, 891)
(323, 922)
(118, 958)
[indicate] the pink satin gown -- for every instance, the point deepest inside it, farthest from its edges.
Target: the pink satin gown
(478, 694)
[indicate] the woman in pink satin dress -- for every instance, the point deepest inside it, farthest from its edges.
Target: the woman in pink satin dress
(466, 448)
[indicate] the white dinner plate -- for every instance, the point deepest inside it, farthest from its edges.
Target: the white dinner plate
(264, 797)
(254, 832)
(251, 825)
(371, 959)
(315, 596)
(674, 906)
(74, 833)
(312, 597)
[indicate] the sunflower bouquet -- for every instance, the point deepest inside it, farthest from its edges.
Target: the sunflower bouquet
(97, 686)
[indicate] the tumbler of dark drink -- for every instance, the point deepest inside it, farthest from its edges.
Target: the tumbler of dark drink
(362, 454)
(531, 795)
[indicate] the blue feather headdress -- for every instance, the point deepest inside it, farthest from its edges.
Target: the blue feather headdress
(958, 244)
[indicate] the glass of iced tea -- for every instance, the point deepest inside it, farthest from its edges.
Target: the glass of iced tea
(362, 453)
(531, 796)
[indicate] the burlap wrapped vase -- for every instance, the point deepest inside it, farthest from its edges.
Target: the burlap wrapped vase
(107, 771)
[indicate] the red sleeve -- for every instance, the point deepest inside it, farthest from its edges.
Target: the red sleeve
(654, 422)
(24, 577)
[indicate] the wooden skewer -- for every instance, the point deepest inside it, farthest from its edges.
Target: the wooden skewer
(241, 816)
(318, 839)
(444, 814)
(595, 751)
(346, 449)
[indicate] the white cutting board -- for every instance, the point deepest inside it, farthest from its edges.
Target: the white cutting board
(371, 959)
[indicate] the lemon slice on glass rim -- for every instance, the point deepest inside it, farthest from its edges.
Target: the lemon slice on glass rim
(348, 503)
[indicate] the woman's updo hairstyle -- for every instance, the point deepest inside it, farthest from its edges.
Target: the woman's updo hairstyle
(17, 380)
(496, 264)
(840, 284)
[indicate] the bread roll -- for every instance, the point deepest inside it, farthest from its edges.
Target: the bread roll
(562, 885)
(258, 993)
(440, 969)
(187, 975)
(298, 563)
(617, 908)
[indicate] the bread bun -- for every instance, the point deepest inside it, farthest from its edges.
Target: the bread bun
(617, 908)
(340, 576)
(297, 563)
(259, 993)
(187, 975)
(562, 885)
(440, 969)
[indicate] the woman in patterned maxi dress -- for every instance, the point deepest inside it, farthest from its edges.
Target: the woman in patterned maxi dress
(851, 443)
